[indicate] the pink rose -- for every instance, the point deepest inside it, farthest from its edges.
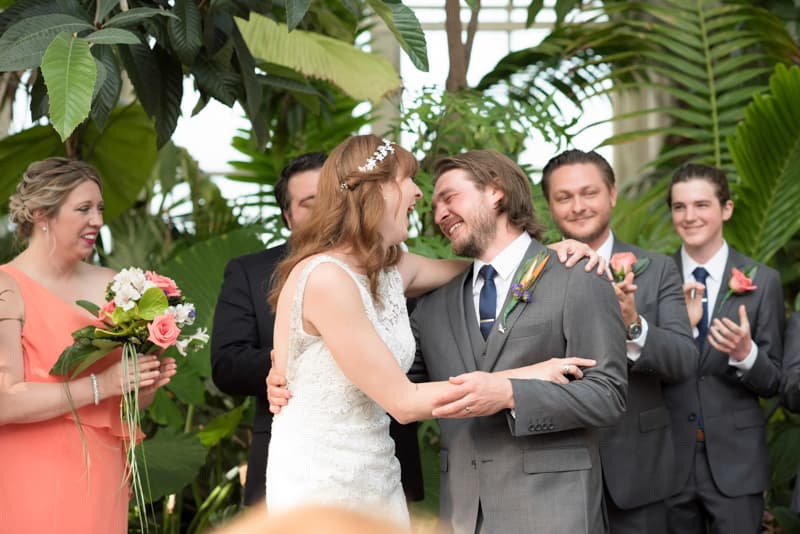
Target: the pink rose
(622, 264)
(167, 285)
(107, 310)
(740, 282)
(163, 330)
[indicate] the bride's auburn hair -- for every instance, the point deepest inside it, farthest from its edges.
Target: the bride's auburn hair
(348, 209)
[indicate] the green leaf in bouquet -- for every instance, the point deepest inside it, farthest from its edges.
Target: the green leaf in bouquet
(221, 427)
(104, 346)
(80, 355)
(152, 304)
(122, 317)
(91, 307)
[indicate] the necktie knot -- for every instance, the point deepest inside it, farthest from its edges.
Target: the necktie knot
(700, 274)
(487, 272)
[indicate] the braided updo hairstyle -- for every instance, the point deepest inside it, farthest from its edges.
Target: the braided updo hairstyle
(44, 187)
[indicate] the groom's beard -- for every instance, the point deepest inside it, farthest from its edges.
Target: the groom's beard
(482, 230)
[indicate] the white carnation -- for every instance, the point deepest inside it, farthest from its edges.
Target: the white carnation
(184, 313)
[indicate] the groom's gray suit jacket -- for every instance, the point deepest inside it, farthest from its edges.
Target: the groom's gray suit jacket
(638, 452)
(538, 470)
(734, 423)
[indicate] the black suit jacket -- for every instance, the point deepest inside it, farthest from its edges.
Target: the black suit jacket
(240, 345)
(734, 423)
(638, 454)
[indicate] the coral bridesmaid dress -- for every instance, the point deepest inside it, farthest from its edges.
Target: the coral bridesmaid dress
(46, 482)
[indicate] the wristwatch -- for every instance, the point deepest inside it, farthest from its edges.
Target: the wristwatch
(634, 330)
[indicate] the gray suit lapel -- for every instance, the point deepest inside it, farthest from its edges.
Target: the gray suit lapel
(497, 339)
(461, 317)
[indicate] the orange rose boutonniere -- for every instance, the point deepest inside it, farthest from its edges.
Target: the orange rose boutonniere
(741, 282)
(622, 263)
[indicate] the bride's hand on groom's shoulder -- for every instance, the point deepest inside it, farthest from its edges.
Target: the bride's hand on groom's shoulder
(277, 393)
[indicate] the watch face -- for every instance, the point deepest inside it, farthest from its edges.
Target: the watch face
(634, 331)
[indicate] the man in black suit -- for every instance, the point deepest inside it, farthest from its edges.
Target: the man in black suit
(241, 338)
(637, 453)
(242, 333)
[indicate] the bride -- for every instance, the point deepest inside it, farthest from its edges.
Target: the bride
(343, 339)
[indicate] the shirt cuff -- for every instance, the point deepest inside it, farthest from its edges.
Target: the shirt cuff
(635, 346)
(746, 364)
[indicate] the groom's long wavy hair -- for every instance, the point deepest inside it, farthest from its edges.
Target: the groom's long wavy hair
(348, 210)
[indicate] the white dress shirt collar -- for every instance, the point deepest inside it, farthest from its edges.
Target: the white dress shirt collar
(715, 266)
(605, 250)
(507, 261)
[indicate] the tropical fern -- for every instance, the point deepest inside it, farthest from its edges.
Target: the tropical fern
(766, 151)
(710, 58)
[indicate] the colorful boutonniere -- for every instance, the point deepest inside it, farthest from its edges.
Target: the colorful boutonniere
(522, 288)
(740, 282)
(624, 262)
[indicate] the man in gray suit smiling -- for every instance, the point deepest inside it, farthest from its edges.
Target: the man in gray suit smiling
(638, 452)
(532, 464)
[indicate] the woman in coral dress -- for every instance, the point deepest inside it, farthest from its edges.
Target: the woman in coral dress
(56, 475)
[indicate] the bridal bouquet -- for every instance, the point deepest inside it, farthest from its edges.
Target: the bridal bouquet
(143, 312)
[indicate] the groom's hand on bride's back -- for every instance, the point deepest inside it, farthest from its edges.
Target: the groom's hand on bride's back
(277, 393)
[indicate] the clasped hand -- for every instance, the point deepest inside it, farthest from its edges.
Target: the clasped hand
(481, 392)
(152, 374)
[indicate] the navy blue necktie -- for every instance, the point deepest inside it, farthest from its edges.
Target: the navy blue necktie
(487, 304)
(700, 274)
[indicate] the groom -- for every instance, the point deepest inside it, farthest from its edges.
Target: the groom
(532, 464)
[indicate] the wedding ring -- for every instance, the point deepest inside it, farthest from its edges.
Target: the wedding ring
(565, 369)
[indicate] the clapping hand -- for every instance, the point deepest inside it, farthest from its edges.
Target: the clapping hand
(730, 338)
(693, 294)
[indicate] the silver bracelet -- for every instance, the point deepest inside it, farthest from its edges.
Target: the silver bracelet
(95, 389)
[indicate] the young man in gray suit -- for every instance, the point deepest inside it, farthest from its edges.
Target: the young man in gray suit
(638, 452)
(721, 459)
(532, 464)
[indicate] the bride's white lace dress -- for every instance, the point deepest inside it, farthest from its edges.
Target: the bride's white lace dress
(331, 444)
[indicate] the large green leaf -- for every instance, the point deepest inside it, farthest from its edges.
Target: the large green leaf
(124, 154)
(295, 11)
(158, 80)
(69, 73)
(107, 93)
(198, 271)
(357, 73)
(766, 151)
(405, 27)
(171, 460)
(20, 150)
(24, 43)
(221, 427)
(134, 16)
(109, 36)
(185, 30)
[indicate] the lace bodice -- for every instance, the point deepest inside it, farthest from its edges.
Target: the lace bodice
(331, 443)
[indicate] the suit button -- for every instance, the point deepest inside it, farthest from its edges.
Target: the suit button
(531, 428)
(701, 378)
(692, 416)
(551, 426)
(537, 427)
